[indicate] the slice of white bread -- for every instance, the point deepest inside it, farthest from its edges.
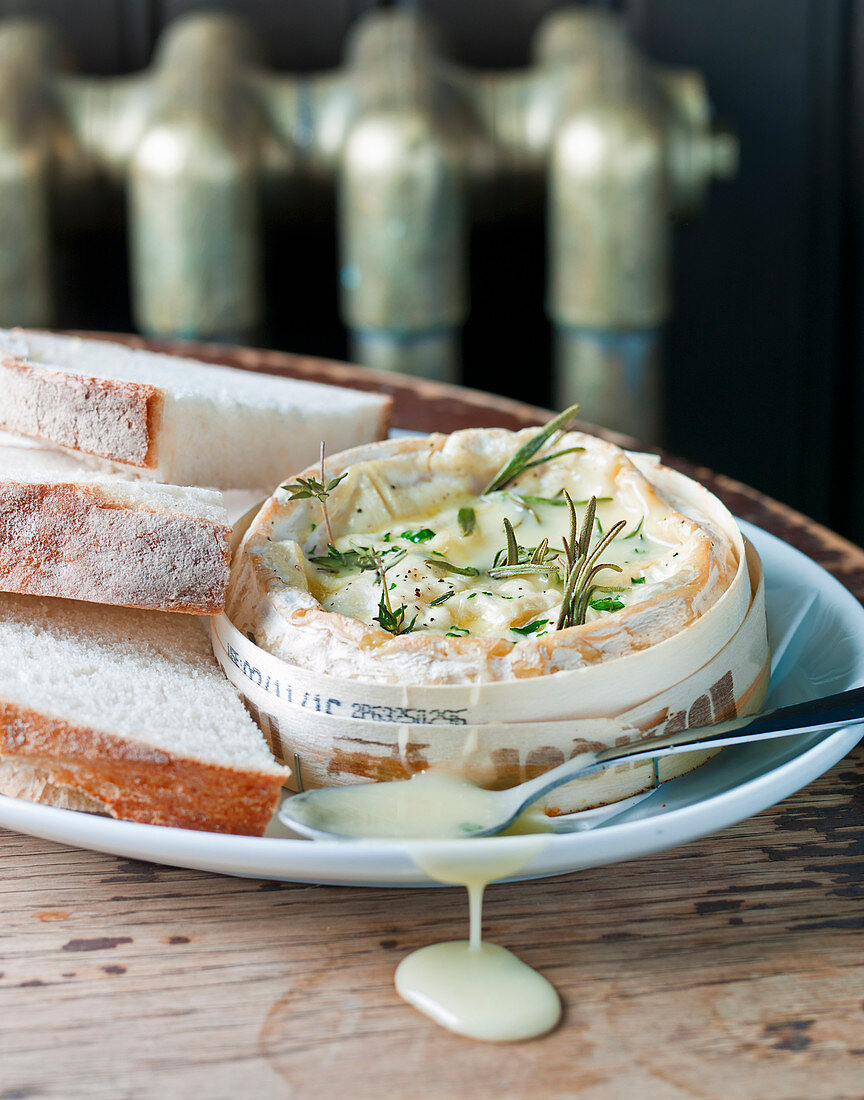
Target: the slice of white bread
(172, 419)
(71, 531)
(126, 712)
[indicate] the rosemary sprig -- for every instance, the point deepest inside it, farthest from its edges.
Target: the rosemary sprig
(467, 518)
(589, 589)
(514, 560)
(582, 564)
(449, 567)
(305, 487)
(522, 460)
(527, 500)
(443, 598)
(512, 545)
(558, 500)
(528, 569)
(555, 454)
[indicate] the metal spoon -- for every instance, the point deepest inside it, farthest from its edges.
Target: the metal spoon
(436, 806)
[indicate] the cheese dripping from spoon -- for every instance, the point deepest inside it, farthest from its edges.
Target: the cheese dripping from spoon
(473, 988)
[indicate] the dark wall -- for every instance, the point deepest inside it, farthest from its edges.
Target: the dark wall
(763, 354)
(754, 347)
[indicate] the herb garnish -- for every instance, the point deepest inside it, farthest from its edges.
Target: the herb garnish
(443, 598)
(558, 500)
(390, 620)
(449, 567)
(609, 603)
(358, 557)
(636, 529)
(637, 580)
(423, 535)
(531, 628)
(305, 487)
(457, 632)
(520, 561)
(467, 520)
(525, 500)
(387, 618)
(582, 565)
(522, 460)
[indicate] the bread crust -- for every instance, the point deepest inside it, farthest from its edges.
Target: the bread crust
(107, 418)
(48, 760)
(76, 542)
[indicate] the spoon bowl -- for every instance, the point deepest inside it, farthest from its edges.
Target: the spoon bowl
(434, 805)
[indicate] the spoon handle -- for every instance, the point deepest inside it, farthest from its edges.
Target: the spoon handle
(829, 712)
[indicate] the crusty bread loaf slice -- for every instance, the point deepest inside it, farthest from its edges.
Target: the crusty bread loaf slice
(126, 712)
(68, 530)
(172, 419)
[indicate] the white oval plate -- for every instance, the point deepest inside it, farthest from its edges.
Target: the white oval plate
(817, 638)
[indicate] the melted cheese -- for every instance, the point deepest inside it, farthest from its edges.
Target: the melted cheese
(430, 804)
(675, 568)
(477, 989)
(485, 605)
(482, 992)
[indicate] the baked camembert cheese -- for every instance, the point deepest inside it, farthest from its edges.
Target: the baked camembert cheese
(481, 556)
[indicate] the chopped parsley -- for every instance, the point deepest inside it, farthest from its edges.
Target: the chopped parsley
(637, 580)
(423, 535)
(532, 628)
(607, 604)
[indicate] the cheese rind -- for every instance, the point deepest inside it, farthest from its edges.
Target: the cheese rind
(304, 617)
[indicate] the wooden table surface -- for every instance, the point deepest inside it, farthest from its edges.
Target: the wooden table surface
(729, 967)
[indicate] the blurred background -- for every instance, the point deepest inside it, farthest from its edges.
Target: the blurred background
(651, 207)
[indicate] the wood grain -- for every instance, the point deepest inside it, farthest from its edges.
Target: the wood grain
(730, 967)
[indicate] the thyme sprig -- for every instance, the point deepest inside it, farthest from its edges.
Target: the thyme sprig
(358, 557)
(387, 618)
(582, 565)
(524, 457)
(392, 621)
(305, 487)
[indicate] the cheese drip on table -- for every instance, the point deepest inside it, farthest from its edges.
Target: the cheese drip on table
(477, 989)
(486, 605)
